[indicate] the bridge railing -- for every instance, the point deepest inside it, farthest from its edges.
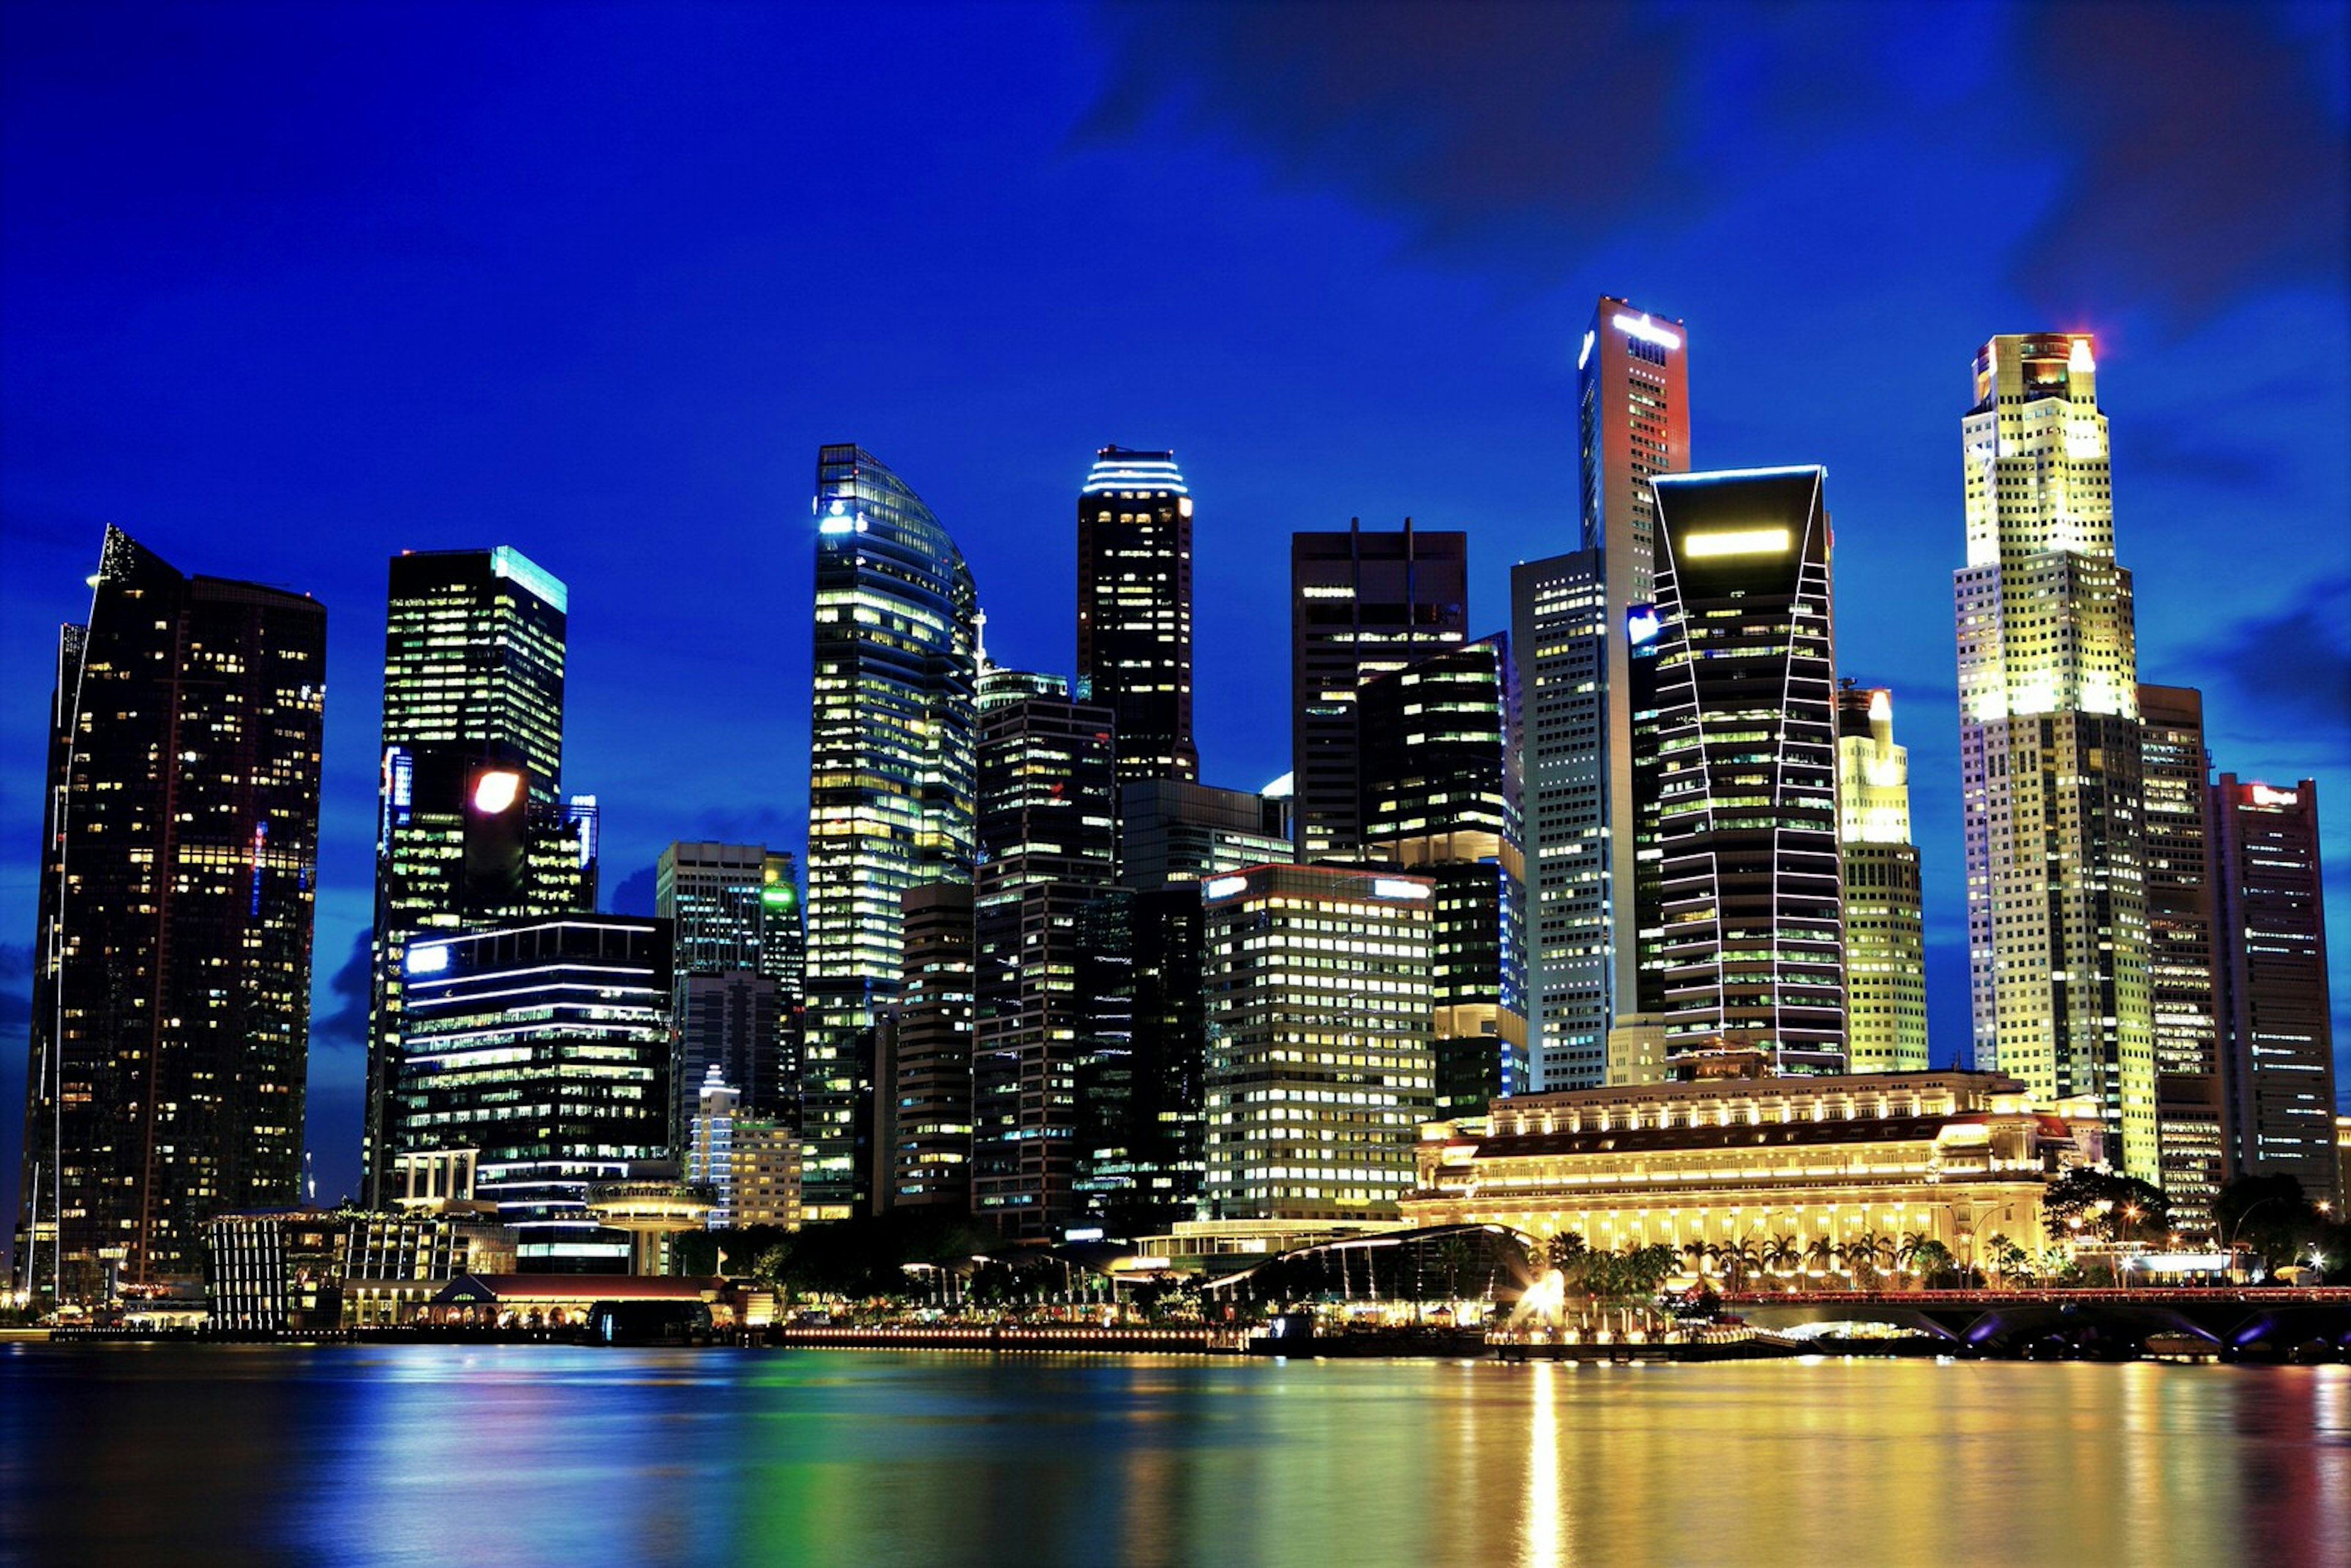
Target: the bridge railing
(2261, 1295)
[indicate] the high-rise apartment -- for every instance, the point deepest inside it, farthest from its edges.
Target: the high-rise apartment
(1885, 918)
(2190, 1082)
(1048, 845)
(1362, 603)
(538, 1055)
(1441, 799)
(2271, 912)
(1320, 1070)
(1135, 608)
(1751, 947)
(471, 828)
(890, 787)
(1559, 628)
(172, 955)
(2048, 746)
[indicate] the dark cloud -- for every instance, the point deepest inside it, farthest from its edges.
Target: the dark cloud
(2292, 665)
(346, 1027)
(634, 893)
(2210, 157)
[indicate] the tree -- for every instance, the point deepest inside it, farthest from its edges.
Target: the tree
(2008, 1259)
(1783, 1253)
(1822, 1252)
(1566, 1251)
(1933, 1262)
(2087, 1202)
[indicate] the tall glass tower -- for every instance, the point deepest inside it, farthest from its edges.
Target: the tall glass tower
(1749, 943)
(171, 961)
(2051, 793)
(1885, 920)
(891, 782)
(1135, 608)
(471, 828)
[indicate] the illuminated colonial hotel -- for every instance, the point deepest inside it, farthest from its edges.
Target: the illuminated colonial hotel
(2050, 795)
(1959, 1157)
(1320, 1067)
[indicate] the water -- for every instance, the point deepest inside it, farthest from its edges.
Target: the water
(414, 1454)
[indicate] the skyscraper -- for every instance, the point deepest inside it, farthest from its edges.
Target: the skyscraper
(1142, 1050)
(1361, 603)
(2190, 1099)
(1135, 608)
(2048, 746)
(471, 828)
(1632, 427)
(1047, 790)
(1885, 920)
(172, 958)
(1319, 1071)
(1440, 782)
(928, 1077)
(2271, 911)
(735, 910)
(1559, 627)
(537, 1054)
(1171, 833)
(1751, 945)
(890, 786)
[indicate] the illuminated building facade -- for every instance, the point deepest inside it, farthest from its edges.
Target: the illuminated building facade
(1631, 428)
(892, 733)
(1361, 604)
(1135, 609)
(739, 961)
(1784, 1163)
(1750, 948)
(541, 1050)
(1559, 629)
(470, 827)
(2270, 909)
(1439, 752)
(2048, 746)
(274, 1273)
(750, 1164)
(1885, 920)
(171, 955)
(1320, 1067)
(928, 1115)
(1048, 788)
(2190, 1082)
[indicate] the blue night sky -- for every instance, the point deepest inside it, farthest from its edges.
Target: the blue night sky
(285, 290)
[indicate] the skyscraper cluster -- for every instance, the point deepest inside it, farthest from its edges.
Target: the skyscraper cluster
(1042, 975)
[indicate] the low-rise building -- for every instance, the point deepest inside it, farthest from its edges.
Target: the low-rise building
(395, 1264)
(274, 1272)
(1955, 1157)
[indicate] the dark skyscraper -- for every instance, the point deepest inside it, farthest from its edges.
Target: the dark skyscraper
(928, 1119)
(1046, 793)
(2190, 1110)
(171, 962)
(735, 910)
(1750, 942)
(890, 787)
(1135, 609)
(1440, 781)
(1142, 1052)
(471, 828)
(1361, 604)
(2270, 910)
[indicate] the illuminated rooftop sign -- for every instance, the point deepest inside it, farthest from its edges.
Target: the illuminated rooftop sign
(1649, 331)
(497, 790)
(1224, 886)
(427, 960)
(2265, 796)
(1739, 541)
(1397, 887)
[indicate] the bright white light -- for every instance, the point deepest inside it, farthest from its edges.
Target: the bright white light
(427, 960)
(495, 791)
(2078, 358)
(1397, 887)
(1224, 886)
(1739, 541)
(2265, 796)
(1649, 331)
(1583, 358)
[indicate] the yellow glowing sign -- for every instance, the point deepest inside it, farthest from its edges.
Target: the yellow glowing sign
(1739, 541)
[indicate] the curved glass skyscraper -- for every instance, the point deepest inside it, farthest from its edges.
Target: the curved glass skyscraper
(889, 784)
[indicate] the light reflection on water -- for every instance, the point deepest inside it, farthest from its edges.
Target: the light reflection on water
(529, 1454)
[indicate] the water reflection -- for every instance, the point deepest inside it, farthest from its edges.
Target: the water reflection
(418, 1454)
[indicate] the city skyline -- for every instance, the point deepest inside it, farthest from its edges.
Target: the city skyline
(1006, 502)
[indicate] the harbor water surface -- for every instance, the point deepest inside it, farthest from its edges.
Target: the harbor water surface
(522, 1454)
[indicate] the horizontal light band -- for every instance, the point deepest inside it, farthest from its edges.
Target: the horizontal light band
(1739, 541)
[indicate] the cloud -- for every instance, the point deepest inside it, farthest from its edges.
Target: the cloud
(2292, 664)
(634, 893)
(346, 1027)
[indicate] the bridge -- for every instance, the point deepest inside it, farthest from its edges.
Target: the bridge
(2240, 1323)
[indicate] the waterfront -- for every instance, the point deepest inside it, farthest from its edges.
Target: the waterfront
(416, 1454)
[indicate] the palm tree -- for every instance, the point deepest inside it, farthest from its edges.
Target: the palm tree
(1823, 1252)
(1566, 1251)
(1905, 1252)
(1782, 1253)
(1738, 1260)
